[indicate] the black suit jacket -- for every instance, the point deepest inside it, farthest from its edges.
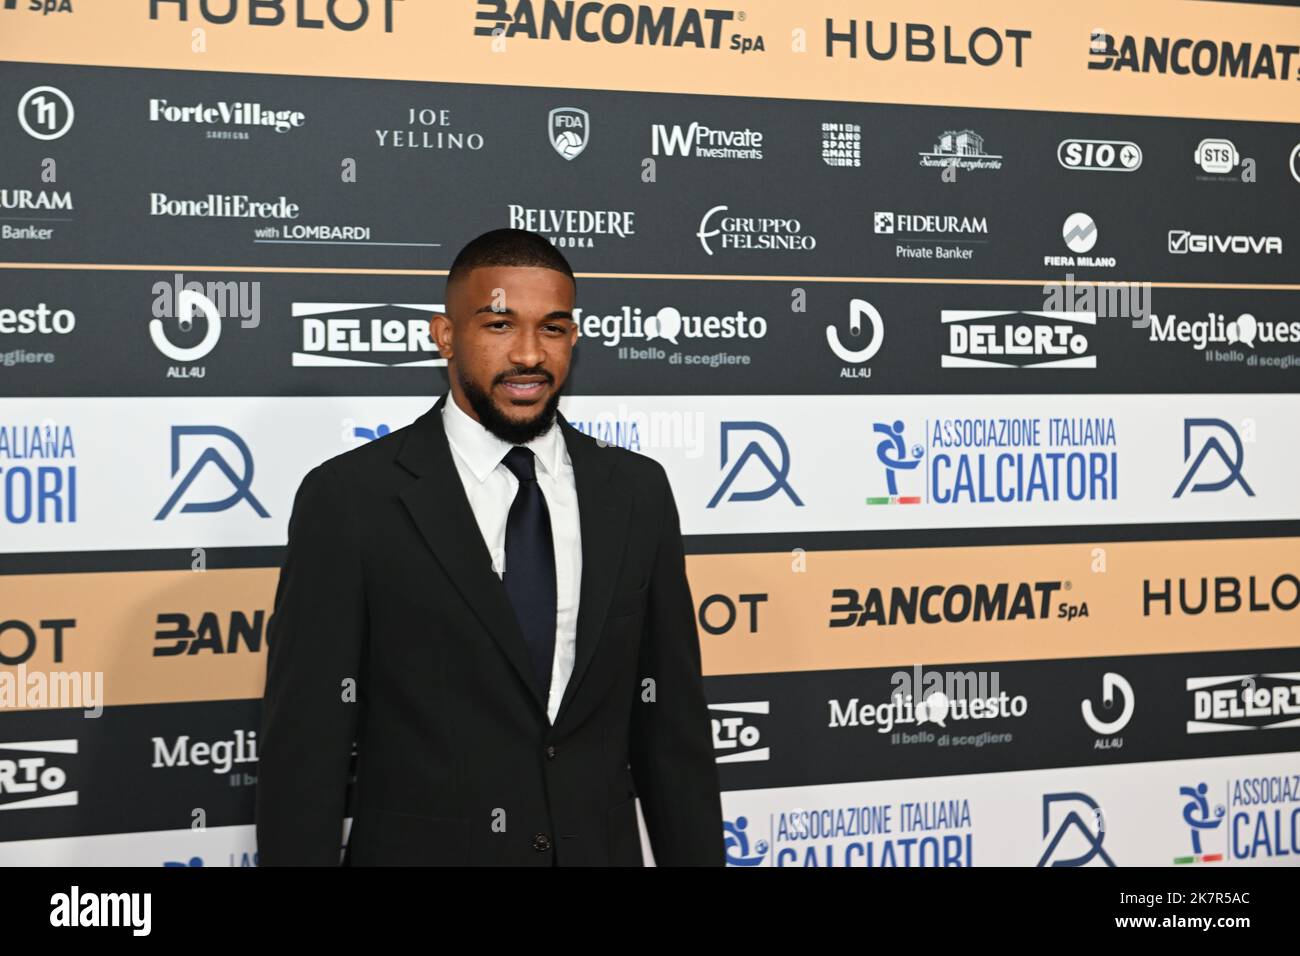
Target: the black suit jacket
(391, 629)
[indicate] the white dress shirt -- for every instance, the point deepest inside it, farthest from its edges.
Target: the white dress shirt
(491, 486)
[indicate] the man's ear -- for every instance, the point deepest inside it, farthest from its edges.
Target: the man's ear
(440, 331)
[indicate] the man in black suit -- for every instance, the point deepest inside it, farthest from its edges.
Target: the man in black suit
(494, 608)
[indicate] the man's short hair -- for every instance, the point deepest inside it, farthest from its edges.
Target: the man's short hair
(508, 247)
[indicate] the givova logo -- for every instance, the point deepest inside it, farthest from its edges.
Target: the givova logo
(737, 732)
(1244, 702)
(34, 774)
(1183, 242)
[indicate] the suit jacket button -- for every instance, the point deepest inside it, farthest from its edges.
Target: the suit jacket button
(550, 752)
(541, 842)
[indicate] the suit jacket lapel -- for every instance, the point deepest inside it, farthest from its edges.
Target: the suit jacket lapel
(442, 512)
(603, 516)
(440, 509)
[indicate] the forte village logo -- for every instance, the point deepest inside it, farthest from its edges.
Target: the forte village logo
(223, 119)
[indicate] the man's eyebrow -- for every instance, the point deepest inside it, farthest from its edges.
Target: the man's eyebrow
(555, 314)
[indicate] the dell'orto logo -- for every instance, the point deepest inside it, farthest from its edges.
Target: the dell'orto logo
(367, 335)
(867, 348)
(736, 732)
(1244, 702)
(34, 774)
(570, 129)
(241, 480)
(778, 471)
(1225, 467)
(1073, 821)
(1112, 686)
(1099, 155)
(1018, 339)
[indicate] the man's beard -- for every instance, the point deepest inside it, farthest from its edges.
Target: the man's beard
(507, 429)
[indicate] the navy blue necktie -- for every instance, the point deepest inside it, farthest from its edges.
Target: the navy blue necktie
(530, 565)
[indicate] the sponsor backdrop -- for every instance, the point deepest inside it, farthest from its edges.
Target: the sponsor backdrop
(967, 333)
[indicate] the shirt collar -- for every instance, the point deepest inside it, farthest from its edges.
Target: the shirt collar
(483, 451)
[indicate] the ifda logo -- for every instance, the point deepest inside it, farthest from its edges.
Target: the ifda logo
(570, 129)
